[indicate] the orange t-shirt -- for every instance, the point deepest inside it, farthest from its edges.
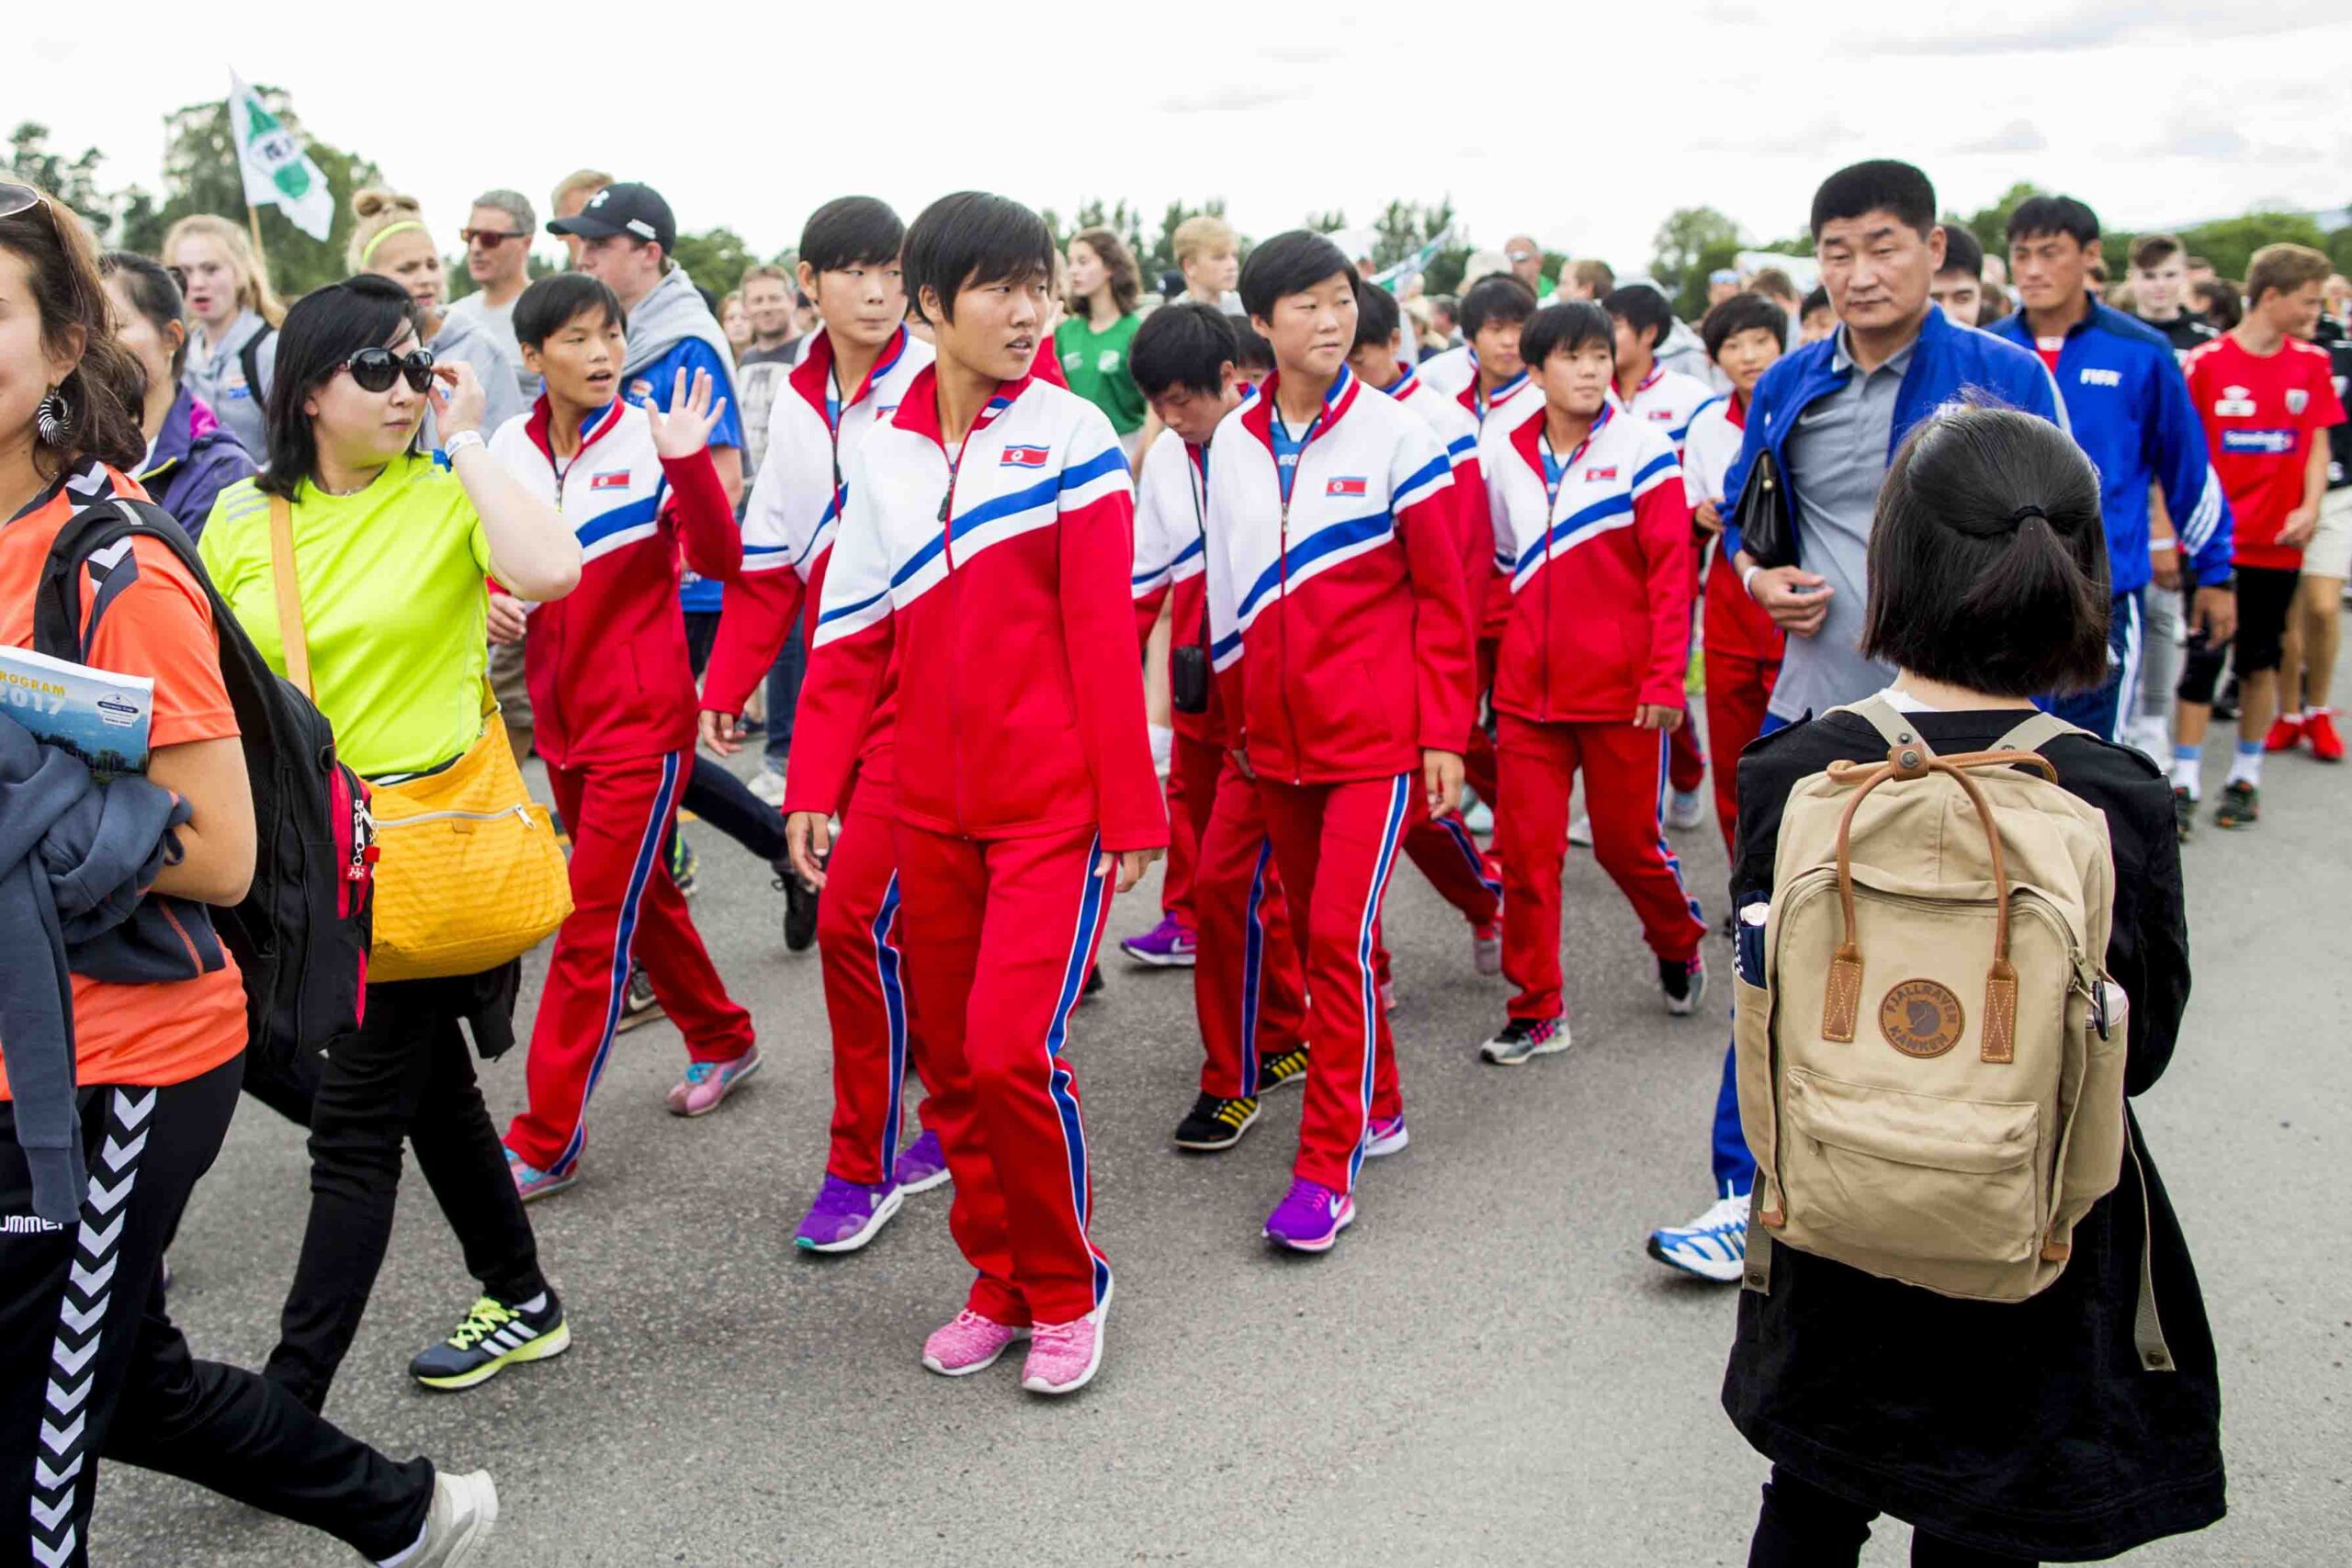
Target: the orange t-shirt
(157, 623)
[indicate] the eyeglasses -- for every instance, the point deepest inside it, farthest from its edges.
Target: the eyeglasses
(491, 237)
(377, 368)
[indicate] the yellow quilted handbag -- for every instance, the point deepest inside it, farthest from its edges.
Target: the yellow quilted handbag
(470, 873)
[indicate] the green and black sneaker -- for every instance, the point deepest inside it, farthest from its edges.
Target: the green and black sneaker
(493, 1338)
(2241, 805)
(1282, 1067)
(1215, 1124)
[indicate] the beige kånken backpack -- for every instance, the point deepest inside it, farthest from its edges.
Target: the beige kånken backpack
(1931, 1078)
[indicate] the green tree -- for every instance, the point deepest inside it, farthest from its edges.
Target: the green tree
(1325, 222)
(2230, 242)
(715, 259)
(201, 174)
(1692, 242)
(1161, 257)
(1991, 224)
(72, 181)
(1405, 226)
(2339, 249)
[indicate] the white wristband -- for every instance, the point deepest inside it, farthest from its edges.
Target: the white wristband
(1747, 580)
(2163, 546)
(460, 441)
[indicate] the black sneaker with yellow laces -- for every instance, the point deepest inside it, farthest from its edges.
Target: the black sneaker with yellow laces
(1215, 1124)
(1279, 1067)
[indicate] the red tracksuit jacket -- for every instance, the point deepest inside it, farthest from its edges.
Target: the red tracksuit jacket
(1600, 569)
(1340, 618)
(606, 664)
(998, 573)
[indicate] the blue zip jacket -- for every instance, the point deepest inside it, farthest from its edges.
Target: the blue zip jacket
(1947, 360)
(195, 460)
(2128, 404)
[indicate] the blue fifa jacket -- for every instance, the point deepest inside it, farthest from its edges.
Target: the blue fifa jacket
(1947, 361)
(2128, 407)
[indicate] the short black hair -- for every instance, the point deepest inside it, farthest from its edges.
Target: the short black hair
(1252, 354)
(1376, 315)
(1881, 185)
(2038, 217)
(548, 305)
(1498, 299)
(1740, 313)
(973, 237)
(1962, 252)
(1641, 306)
(1187, 344)
(322, 330)
(1564, 328)
(1289, 263)
(2218, 301)
(1816, 298)
(852, 231)
(1987, 557)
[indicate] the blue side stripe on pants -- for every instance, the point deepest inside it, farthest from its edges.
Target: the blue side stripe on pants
(887, 967)
(648, 852)
(1391, 831)
(1253, 963)
(1094, 902)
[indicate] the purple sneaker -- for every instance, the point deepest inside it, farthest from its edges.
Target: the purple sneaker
(846, 1215)
(921, 1166)
(1170, 944)
(1310, 1218)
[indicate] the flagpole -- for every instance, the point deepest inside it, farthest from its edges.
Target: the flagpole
(261, 253)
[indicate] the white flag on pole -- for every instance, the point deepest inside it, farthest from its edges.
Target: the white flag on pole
(276, 168)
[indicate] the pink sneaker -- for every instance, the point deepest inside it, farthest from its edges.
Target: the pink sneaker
(1064, 1357)
(970, 1344)
(708, 1083)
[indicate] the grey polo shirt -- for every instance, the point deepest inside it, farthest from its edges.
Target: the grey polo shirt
(1837, 458)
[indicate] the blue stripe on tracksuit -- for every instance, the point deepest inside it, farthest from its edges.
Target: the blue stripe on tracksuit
(887, 964)
(1666, 844)
(1391, 833)
(1253, 967)
(1094, 903)
(1733, 1165)
(649, 856)
(1452, 823)
(2107, 708)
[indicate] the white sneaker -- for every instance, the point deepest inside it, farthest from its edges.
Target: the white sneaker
(1686, 810)
(768, 785)
(1713, 1246)
(464, 1512)
(1580, 832)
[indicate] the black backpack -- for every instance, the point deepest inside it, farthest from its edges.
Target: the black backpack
(302, 935)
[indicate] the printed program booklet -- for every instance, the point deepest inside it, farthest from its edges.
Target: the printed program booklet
(99, 716)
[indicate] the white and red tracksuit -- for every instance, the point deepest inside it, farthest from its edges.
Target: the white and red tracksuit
(1743, 646)
(1442, 848)
(1454, 376)
(1666, 400)
(789, 533)
(1343, 640)
(995, 574)
(1248, 987)
(614, 698)
(1601, 585)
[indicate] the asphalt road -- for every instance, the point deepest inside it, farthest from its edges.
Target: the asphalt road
(1486, 1370)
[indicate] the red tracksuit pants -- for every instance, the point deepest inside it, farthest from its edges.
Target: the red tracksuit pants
(1686, 767)
(1739, 689)
(1247, 984)
(1336, 845)
(998, 936)
(1625, 781)
(623, 904)
(866, 993)
(1188, 812)
(1478, 769)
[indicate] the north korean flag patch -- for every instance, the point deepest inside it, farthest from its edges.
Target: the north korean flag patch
(1024, 458)
(612, 478)
(1351, 485)
(1594, 475)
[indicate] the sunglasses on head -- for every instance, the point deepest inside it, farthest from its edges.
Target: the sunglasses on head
(377, 368)
(489, 236)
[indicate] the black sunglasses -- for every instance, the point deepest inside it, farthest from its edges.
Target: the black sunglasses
(492, 237)
(377, 368)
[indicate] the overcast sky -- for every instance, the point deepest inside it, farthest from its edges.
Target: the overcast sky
(1583, 130)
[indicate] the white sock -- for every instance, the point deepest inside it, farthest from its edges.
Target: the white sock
(2246, 766)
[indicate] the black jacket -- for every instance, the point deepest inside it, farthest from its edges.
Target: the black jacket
(2026, 1428)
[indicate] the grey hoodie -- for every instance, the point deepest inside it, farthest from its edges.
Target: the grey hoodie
(74, 855)
(670, 315)
(461, 338)
(219, 378)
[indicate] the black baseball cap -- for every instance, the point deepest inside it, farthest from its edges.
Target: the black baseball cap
(624, 208)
